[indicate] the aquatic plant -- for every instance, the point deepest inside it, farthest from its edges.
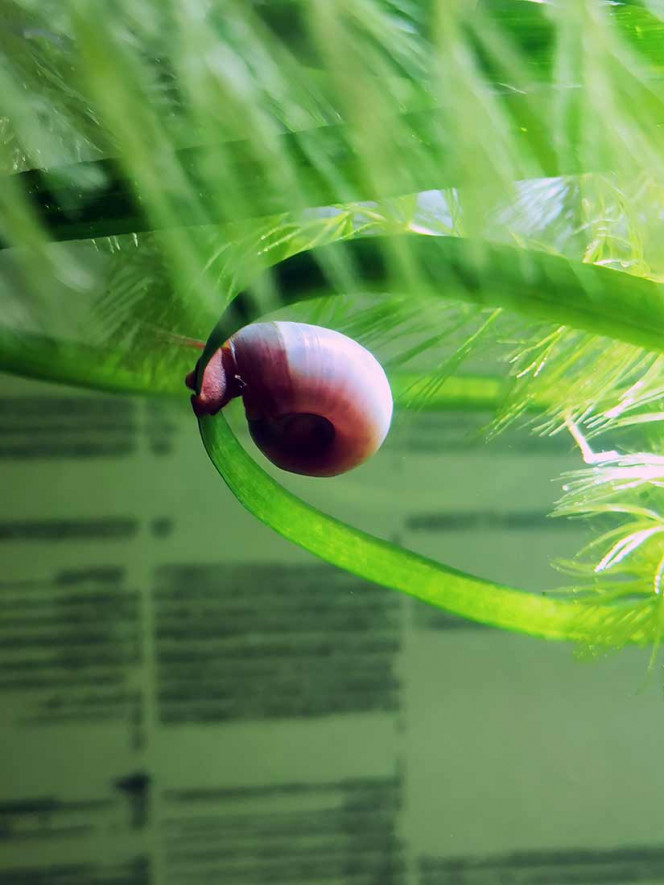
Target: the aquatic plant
(420, 175)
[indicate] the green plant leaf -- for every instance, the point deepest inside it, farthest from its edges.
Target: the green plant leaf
(535, 284)
(384, 563)
(48, 359)
(151, 118)
(541, 285)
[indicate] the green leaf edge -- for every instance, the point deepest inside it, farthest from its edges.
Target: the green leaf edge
(536, 284)
(43, 359)
(545, 287)
(394, 567)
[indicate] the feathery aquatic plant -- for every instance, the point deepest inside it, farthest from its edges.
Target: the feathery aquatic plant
(429, 173)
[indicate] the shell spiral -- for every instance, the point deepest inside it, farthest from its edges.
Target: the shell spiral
(317, 402)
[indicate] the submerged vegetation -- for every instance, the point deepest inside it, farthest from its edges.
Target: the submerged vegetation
(421, 175)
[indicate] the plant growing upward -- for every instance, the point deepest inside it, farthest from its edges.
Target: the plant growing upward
(421, 176)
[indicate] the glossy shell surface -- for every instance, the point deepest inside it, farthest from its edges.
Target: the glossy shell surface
(317, 402)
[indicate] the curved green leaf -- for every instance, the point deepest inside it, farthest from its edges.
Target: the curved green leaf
(97, 368)
(384, 563)
(536, 284)
(33, 356)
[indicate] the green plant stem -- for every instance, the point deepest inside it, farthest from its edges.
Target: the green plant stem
(391, 566)
(45, 359)
(41, 358)
(535, 284)
(540, 285)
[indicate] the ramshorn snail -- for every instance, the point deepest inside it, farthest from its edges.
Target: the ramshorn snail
(317, 402)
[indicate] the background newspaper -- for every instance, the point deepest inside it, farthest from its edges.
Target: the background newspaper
(187, 698)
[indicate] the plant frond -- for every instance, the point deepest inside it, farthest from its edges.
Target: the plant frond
(492, 174)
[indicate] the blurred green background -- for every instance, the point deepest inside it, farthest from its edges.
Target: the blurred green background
(190, 698)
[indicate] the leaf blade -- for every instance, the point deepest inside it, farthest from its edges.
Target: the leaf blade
(383, 563)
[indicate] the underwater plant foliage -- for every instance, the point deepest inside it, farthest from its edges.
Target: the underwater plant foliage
(436, 179)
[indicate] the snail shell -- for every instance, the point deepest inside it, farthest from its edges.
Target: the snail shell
(317, 402)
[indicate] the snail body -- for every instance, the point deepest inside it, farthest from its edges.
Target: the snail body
(317, 402)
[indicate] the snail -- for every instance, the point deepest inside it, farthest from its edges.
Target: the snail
(317, 402)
